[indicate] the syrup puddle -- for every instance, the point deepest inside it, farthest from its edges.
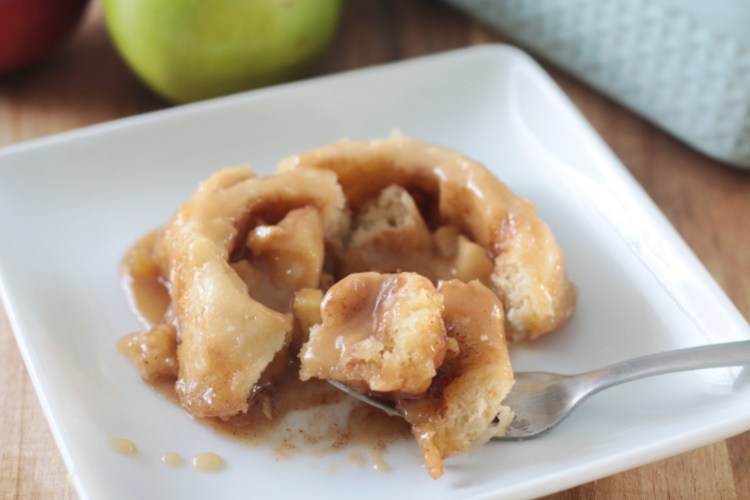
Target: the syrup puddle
(171, 459)
(124, 447)
(208, 462)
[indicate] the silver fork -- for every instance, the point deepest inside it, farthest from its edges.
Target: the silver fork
(542, 400)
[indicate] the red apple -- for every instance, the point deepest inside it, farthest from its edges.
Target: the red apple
(31, 29)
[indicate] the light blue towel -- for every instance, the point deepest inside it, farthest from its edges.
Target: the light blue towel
(682, 64)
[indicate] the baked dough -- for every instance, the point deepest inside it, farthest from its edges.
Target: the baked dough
(439, 354)
(378, 332)
(457, 412)
(226, 337)
(529, 267)
(437, 262)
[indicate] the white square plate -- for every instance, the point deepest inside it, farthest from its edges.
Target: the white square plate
(70, 205)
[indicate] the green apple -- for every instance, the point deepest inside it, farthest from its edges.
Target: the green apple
(188, 50)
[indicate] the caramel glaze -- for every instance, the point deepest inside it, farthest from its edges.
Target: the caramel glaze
(153, 350)
(380, 332)
(208, 462)
(277, 395)
(319, 405)
(355, 317)
(171, 459)
(124, 447)
(145, 290)
(322, 428)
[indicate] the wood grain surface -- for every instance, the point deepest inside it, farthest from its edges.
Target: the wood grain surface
(708, 203)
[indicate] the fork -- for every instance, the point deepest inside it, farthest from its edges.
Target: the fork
(541, 400)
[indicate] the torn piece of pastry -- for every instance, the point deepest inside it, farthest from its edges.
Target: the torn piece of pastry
(387, 334)
(457, 412)
(452, 190)
(381, 332)
(226, 336)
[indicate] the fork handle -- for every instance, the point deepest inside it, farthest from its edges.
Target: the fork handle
(692, 358)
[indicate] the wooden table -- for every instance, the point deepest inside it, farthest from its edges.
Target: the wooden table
(708, 203)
